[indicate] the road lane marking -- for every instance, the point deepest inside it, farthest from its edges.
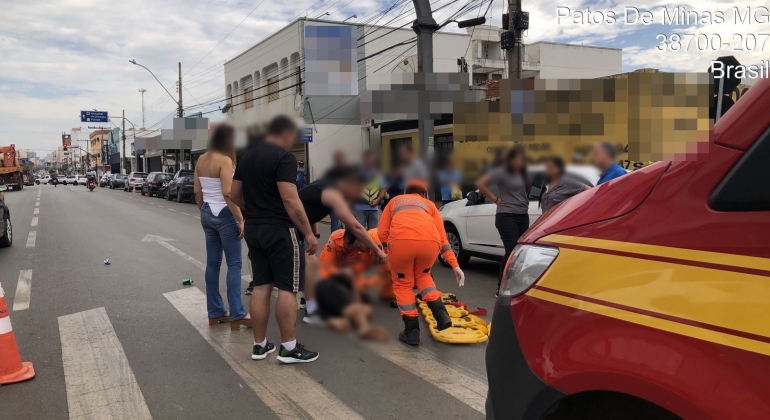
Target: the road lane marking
(36, 211)
(171, 210)
(455, 380)
(161, 206)
(186, 214)
(23, 291)
(164, 242)
(34, 221)
(100, 383)
(272, 382)
(31, 239)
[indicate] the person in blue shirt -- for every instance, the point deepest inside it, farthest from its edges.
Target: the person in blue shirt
(301, 175)
(448, 177)
(603, 158)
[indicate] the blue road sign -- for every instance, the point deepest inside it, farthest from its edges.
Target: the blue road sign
(307, 135)
(94, 116)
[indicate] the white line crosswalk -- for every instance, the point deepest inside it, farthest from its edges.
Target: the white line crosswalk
(267, 378)
(100, 382)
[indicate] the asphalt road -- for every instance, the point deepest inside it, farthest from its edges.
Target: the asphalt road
(129, 341)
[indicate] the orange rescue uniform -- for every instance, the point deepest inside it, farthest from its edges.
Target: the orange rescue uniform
(413, 230)
(335, 256)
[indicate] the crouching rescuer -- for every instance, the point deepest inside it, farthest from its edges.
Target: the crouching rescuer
(413, 230)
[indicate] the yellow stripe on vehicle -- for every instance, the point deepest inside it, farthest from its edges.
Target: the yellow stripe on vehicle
(707, 257)
(657, 323)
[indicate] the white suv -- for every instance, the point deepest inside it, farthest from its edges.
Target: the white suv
(470, 222)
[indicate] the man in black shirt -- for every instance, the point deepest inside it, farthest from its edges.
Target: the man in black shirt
(320, 198)
(276, 228)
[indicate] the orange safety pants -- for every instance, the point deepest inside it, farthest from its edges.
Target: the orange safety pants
(410, 264)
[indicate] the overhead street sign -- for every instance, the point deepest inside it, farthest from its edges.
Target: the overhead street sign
(307, 135)
(94, 116)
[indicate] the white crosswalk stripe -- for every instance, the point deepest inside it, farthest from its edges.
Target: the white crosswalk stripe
(453, 379)
(100, 382)
(266, 377)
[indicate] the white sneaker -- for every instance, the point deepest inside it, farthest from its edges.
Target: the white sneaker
(313, 319)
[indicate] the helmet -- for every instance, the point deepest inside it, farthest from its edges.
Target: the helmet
(417, 184)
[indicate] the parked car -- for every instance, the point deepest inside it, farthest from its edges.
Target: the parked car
(69, 180)
(105, 180)
(45, 179)
(470, 222)
(134, 180)
(6, 231)
(181, 186)
(644, 298)
(153, 182)
(118, 181)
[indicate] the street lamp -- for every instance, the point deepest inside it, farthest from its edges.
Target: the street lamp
(320, 16)
(159, 82)
(352, 17)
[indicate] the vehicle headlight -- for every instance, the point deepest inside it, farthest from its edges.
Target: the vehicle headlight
(525, 266)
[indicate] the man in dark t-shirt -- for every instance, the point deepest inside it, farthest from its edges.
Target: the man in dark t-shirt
(276, 231)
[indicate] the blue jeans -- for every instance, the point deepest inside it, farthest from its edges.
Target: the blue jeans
(222, 235)
(369, 219)
(334, 221)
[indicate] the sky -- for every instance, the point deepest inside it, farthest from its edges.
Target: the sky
(63, 56)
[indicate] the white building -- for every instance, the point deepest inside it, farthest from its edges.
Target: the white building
(270, 78)
(550, 60)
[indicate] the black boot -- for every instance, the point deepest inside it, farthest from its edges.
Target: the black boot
(443, 321)
(411, 333)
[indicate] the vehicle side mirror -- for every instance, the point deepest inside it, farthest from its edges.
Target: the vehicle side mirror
(473, 197)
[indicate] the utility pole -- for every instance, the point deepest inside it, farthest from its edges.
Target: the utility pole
(143, 91)
(514, 25)
(123, 155)
(424, 26)
(181, 115)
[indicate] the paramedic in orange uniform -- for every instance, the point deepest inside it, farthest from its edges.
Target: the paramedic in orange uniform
(344, 250)
(413, 230)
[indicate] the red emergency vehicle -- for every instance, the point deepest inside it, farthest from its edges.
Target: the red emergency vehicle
(647, 297)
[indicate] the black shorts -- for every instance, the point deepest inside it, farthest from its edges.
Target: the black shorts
(277, 256)
(333, 296)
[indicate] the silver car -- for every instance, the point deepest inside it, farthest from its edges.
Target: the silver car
(134, 180)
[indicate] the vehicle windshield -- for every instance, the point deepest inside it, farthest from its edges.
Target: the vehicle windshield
(139, 174)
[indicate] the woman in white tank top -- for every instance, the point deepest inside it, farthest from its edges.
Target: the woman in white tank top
(222, 223)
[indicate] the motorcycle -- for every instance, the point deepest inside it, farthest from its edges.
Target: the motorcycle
(162, 190)
(91, 185)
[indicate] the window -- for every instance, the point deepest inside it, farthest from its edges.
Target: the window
(272, 89)
(248, 97)
(744, 188)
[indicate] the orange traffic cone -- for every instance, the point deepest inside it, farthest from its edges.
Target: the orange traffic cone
(12, 369)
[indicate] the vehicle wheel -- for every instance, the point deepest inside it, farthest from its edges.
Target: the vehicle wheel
(142, 192)
(75, 183)
(37, 182)
(65, 183)
(457, 247)
(7, 238)
(179, 197)
(168, 195)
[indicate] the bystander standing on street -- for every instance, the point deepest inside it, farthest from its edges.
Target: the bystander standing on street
(449, 179)
(366, 207)
(511, 218)
(396, 186)
(339, 167)
(277, 233)
(413, 168)
(301, 180)
(603, 158)
(222, 223)
(558, 187)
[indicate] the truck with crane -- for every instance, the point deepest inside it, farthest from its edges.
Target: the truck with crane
(10, 169)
